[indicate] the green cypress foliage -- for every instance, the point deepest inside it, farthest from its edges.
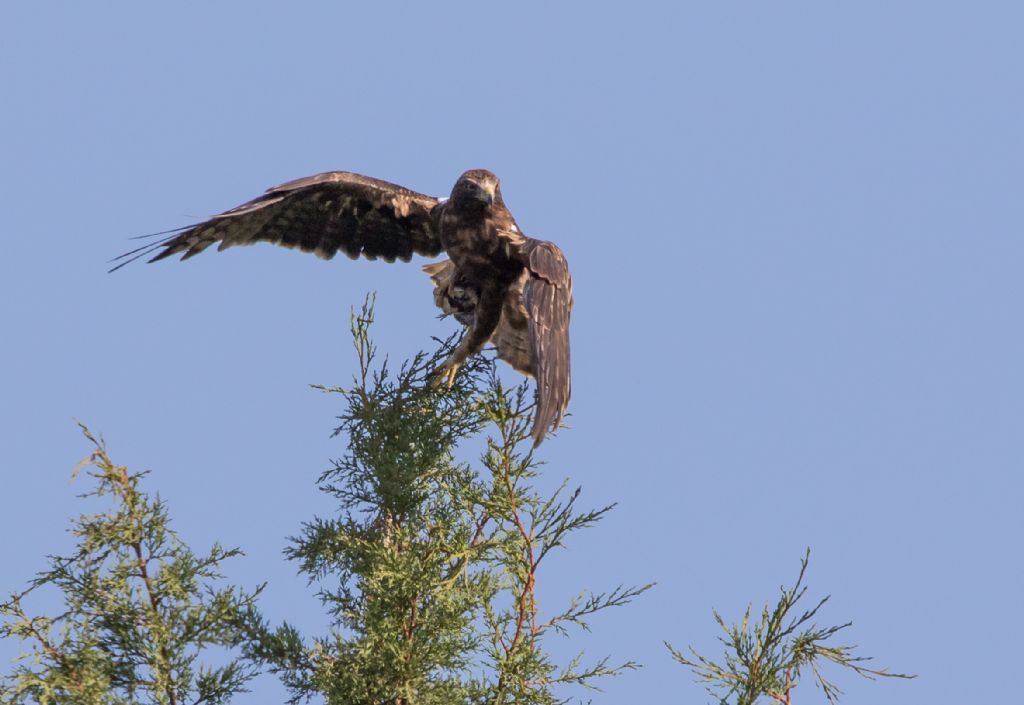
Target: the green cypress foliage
(140, 610)
(765, 659)
(429, 571)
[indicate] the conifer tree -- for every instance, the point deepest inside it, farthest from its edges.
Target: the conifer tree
(766, 659)
(429, 570)
(141, 610)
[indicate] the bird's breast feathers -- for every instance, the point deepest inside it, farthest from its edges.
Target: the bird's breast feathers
(491, 243)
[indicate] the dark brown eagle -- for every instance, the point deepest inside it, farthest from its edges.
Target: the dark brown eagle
(506, 288)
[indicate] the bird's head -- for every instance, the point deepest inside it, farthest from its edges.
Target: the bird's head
(477, 188)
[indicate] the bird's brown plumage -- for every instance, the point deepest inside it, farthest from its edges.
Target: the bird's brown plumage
(505, 287)
(511, 338)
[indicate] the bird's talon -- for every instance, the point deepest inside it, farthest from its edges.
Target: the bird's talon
(445, 374)
(452, 372)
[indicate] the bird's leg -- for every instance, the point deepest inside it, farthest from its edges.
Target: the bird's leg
(488, 313)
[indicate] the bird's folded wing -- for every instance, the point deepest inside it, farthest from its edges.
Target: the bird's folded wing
(548, 299)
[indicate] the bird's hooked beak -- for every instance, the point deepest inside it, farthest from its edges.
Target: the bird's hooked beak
(487, 193)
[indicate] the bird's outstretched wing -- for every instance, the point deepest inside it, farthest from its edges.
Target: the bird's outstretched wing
(323, 214)
(547, 296)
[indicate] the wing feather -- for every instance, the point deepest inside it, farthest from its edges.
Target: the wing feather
(323, 214)
(548, 299)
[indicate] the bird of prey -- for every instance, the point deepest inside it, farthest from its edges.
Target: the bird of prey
(505, 287)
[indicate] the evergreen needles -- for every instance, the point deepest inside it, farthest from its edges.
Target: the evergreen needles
(766, 658)
(140, 610)
(429, 571)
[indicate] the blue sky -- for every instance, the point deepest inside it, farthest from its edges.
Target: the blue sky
(795, 235)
